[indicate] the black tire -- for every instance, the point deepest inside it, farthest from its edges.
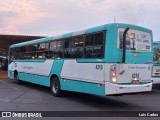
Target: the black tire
(16, 76)
(55, 87)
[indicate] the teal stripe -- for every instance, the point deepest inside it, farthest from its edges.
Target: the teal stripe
(37, 79)
(90, 60)
(155, 76)
(156, 64)
(35, 60)
(85, 87)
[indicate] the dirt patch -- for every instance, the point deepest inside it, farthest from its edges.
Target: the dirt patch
(3, 74)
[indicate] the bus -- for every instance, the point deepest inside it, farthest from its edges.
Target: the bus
(156, 65)
(111, 59)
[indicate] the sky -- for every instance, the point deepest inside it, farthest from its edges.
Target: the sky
(55, 17)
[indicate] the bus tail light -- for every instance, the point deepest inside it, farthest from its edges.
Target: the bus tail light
(135, 81)
(113, 74)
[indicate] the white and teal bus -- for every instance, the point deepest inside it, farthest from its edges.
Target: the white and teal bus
(105, 60)
(156, 65)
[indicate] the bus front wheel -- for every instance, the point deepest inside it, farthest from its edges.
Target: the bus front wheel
(16, 76)
(55, 87)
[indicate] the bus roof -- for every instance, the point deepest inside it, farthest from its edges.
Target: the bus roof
(88, 30)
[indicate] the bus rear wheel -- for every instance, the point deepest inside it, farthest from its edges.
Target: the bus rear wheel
(55, 87)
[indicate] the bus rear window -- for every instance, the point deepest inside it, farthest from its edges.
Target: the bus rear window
(135, 40)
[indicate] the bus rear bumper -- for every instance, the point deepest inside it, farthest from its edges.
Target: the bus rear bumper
(155, 80)
(113, 89)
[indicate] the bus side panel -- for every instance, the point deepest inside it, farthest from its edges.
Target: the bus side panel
(73, 70)
(34, 71)
(57, 68)
(84, 87)
(81, 77)
(37, 79)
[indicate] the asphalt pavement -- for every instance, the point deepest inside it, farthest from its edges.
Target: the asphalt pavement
(32, 97)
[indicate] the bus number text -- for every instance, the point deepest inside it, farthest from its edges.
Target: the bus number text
(99, 67)
(135, 75)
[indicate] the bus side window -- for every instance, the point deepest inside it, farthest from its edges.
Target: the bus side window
(47, 50)
(60, 46)
(56, 49)
(74, 47)
(26, 52)
(17, 53)
(42, 50)
(52, 49)
(94, 45)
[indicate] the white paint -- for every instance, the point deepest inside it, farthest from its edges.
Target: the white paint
(39, 68)
(79, 32)
(57, 37)
(111, 89)
(82, 71)
(144, 71)
(155, 80)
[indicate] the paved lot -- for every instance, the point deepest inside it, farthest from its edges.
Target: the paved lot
(31, 97)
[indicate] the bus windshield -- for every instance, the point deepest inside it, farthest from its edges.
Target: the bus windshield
(135, 40)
